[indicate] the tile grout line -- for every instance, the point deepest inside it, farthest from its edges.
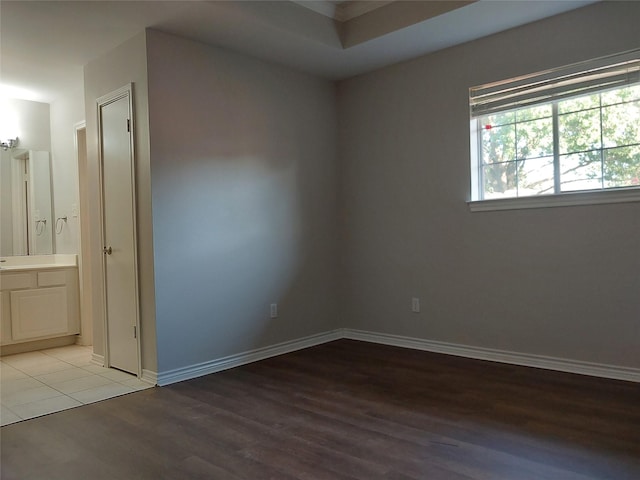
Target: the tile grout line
(111, 383)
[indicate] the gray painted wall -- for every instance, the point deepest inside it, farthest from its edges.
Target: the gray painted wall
(266, 189)
(244, 200)
(563, 282)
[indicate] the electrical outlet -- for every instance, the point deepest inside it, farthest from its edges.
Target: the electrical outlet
(415, 305)
(74, 210)
(274, 310)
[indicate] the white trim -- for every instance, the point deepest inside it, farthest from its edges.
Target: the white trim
(97, 359)
(346, 11)
(149, 377)
(224, 363)
(323, 7)
(20, 211)
(83, 340)
(502, 356)
(597, 197)
(86, 326)
(342, 11)
(467, 351)
(125, 92)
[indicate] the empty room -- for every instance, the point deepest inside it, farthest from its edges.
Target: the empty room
(320, 240)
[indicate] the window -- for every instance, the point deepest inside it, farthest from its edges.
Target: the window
(568, 130)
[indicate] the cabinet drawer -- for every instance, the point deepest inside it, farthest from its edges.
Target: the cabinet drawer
(50, 279)
(14, 281)
(38, 313)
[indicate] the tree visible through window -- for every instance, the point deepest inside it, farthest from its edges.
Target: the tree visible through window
(574, 128)
(589, 142)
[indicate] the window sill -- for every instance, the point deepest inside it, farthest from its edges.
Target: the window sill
(559, 200)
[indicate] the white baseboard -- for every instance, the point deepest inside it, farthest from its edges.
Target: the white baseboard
(478, 353)
(83, 340)
(205, 368)
(149, 377)
(502, 356)
(97, 359)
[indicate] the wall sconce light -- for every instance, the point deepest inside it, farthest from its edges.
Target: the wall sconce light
(9, 143)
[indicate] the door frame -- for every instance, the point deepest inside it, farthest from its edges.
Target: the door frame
(86, 323)
(21, 217)
(123, 92)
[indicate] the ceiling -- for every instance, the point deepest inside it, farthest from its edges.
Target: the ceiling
(44, 45)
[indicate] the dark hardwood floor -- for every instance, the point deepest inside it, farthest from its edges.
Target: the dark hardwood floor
(345, 410)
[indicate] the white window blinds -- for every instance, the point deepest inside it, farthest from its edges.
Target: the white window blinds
(584, 78)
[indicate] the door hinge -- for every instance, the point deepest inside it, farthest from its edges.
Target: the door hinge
(128, 125)
(135, 331)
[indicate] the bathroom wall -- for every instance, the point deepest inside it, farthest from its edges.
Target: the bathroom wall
(561, 282)
(66, 112)
(30, 120)
(244, 200)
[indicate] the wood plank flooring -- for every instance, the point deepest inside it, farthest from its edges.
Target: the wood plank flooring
(345, 410)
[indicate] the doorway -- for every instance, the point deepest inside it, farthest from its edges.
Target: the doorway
(80, 143)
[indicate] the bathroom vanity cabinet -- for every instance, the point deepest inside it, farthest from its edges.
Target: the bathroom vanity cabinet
(38, 302)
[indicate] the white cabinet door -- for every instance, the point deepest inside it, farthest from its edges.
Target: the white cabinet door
(5, 318)
(38, 313)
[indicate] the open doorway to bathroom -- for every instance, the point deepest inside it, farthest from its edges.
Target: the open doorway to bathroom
(86, 329)
(54, 377)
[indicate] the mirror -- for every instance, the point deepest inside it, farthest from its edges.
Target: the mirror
(26, 206)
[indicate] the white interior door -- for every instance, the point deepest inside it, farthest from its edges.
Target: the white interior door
(118, 210)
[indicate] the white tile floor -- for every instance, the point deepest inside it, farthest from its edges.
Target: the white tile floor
(38, 383)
